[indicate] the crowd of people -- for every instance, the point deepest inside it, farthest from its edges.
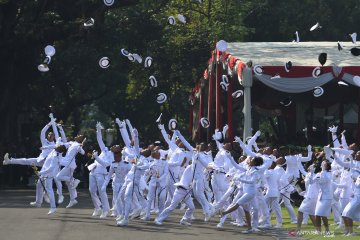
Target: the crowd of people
(154, 180)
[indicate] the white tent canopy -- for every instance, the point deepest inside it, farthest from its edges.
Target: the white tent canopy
(300, 54)
(305, 59)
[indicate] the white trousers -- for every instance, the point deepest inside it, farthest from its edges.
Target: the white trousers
(288, 206)
(132, 190)
(39, 188)
(118, 204)
(199, 193)
(66, 174)
(156, 190)
(335, 208)
(48, 182)
(274, 206)
(219, 185)
(223, 201)
(26, 161)
(263, 206)
(173, 177)
(96, 181)
(179, 195)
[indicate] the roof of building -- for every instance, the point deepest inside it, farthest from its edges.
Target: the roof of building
(300, 54)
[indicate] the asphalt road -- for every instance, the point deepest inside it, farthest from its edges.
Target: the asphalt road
(19, 221)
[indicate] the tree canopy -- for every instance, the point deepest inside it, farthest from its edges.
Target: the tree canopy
(79, 92)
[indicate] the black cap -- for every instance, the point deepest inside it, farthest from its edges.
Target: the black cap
(322, 58)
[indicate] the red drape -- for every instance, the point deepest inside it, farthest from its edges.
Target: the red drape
(218, 96)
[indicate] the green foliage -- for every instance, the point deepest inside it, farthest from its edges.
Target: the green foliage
(76, 85)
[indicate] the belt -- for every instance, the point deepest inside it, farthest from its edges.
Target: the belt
(181, 187)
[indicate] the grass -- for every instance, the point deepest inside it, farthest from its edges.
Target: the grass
(338, 233)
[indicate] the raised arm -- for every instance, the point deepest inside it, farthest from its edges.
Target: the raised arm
(99, 160)
(124, 133)
(53, 124)
(43, 133)
(218, 144)
(335, 140)
(183, 140)
(128, 123)
(171, 144)
(309, 156)
(99, 138)
(341, 163)
(236, 165)
(246, 150)
(135, 135)
(62, 133)
(343, 141)
(252, 140)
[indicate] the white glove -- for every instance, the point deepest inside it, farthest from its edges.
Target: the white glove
(213, 137)
(309, 148)
(330, 129)
(257, 134)
(135, 132)
(51, 116)
(225, 128)
(161, 126)
(117, 120)
(333, 129)
(99, 126)
(122, 124)
(238, 139)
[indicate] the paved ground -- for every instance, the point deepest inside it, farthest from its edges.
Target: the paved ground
(19, 221)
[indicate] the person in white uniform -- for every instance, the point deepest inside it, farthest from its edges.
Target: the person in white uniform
(47, 145)
(323, 205)
(158, 172)
(133, 181)
(249, 179)
(351, 212)
(98, 174)
(272, 195)
(49, 171)
(205, 159)
(182, 194)
(308, 205)
(66, 174)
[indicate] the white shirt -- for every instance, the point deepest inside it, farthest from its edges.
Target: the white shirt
(118, 172)
(272, 182)
(186, 178)
(51, 165)
(249, 179)
(102, 161)
(159, 167)
(72, 151)
(222, 161)
(312, 188)
(325, 185)
(345, 185)
(200, 164)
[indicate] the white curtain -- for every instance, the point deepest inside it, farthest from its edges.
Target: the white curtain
(296, 85)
